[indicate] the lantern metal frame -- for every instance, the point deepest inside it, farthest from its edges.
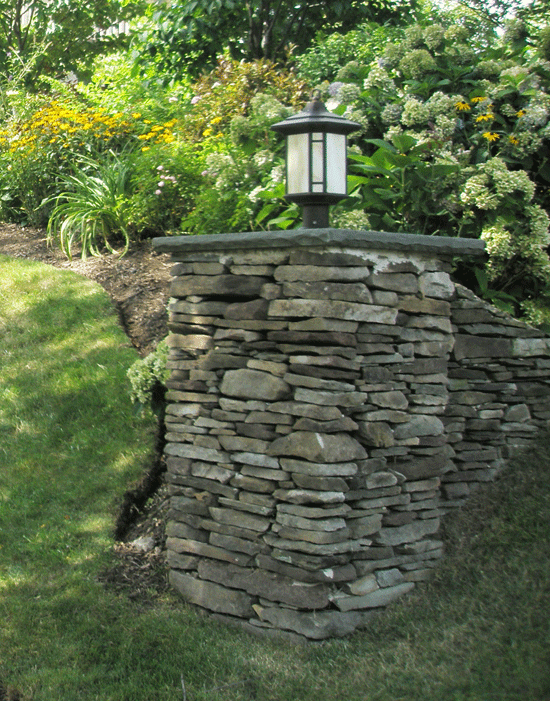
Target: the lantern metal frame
(316, 160)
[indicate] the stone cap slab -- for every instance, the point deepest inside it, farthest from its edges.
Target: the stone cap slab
(438, 246)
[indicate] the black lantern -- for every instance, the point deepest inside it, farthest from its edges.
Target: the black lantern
(316, 160)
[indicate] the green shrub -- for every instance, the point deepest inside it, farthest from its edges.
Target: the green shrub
(147, 375)
(322, 61)
(166, 182)
(455, 142)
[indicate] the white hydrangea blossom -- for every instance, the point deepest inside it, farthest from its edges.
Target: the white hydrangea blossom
(414, 36)
(355, 219)
(417, 63)
(515, 72)
(537, 112)
(493, 183)
(445, 126)
(507, 181)
(262, 158)
(528, 142)
(440, 103)
(415, 112)
(356, 115)
(391, 114)
(269, 107)
(498, 239)
(489, 68)
(348, 93)
(456, 33)
(433, 36)
(378, 77)
(476, 193)
(277, 174)
(392, 132)
(223, 168)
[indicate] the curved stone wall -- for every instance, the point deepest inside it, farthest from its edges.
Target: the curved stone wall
(332, 393)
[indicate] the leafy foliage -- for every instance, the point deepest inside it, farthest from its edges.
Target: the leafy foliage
(455, 142)
(187, 35)
(148, 377)
(36, 34)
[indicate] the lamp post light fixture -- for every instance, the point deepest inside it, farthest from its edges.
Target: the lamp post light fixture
(316, 160)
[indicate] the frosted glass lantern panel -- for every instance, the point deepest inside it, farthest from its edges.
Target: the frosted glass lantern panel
(297, 169)
(336, 164)
(317, 163)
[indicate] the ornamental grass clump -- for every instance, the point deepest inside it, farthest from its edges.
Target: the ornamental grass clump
(92, 209)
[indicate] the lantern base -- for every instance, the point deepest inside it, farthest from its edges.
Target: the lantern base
(315, 216)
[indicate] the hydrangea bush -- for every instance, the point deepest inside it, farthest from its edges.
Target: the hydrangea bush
(454, 141)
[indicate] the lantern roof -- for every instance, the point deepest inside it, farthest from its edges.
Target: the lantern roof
(315, 117)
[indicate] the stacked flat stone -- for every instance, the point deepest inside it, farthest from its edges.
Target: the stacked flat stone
(312, 419)
(499, 378)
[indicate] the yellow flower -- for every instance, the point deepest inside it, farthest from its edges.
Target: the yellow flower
(217, 120)
(491, 136)
(513, 140)
(136, 115)
(485, 117)
(207, 132)
(478, 99)
(520, 113)
(462, 106)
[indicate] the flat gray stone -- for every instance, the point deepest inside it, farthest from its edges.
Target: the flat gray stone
(376, 599)
(318, 447)
(309, 496)
(254, 384)
(195, 452)
(395, 400)
(316, 626)
(318, 469)
(268, 585)
(212, 596)
(311, 524)
(349, 292)
(223, 285)
(316, 273)
(421, 425)
(195, 547)
(408, 533)
(378, 434)
(349, 311)
(237, 518)
(235, 243)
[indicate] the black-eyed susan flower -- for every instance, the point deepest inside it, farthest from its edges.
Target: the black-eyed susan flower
(491, 136)
(487, 117)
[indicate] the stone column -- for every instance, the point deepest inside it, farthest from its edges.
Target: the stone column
(305, 444)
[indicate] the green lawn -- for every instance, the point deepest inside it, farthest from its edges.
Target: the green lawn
(71, 444)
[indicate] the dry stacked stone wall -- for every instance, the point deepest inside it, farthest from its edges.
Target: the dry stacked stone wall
(332, 393)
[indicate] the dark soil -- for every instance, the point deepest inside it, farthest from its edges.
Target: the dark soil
(138, 286)
(137, 283)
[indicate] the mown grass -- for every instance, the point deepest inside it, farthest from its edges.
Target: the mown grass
(70, 444)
